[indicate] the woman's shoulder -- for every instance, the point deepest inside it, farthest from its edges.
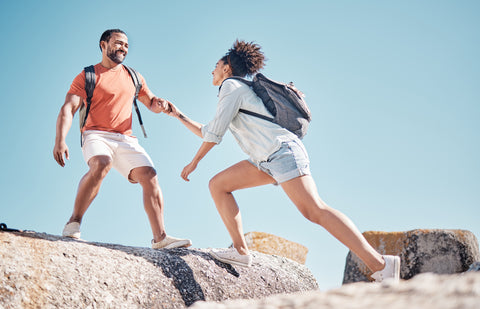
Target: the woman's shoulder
(230, 85)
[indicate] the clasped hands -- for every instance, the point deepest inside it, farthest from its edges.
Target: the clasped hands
(164, 106)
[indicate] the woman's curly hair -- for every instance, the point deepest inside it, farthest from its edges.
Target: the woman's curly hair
(245, 58)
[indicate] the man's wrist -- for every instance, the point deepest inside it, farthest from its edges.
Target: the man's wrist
(151, 101)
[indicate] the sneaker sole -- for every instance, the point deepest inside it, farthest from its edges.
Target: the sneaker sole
(227, 261)
(396, 268)
(179, 244)
(74, 236)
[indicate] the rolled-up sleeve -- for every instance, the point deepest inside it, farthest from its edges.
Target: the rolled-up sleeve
(227, 108)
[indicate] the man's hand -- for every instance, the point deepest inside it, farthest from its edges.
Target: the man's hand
(59, 150)
(159, 105)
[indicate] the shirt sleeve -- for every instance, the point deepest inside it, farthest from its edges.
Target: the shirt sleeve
(227, 108)
(78, 86)
(144, 91)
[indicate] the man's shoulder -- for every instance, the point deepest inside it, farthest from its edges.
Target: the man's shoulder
(135, 71)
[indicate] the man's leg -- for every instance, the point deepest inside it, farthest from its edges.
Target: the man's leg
(153, 203)
(89, 185)
(152, 199)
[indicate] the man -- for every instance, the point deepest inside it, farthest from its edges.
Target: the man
(107, 140)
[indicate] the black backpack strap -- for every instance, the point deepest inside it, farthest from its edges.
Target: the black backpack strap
(89, 87)
(245, 111)
(90, 80)
(138, 86)
(243, 80)
(136, 80)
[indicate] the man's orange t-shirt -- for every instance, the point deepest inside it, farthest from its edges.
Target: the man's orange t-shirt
(111, 108)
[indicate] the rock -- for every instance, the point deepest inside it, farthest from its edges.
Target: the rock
(437, 251)
(44, 271)
(425, 291)
(271, 244)
(474, 267)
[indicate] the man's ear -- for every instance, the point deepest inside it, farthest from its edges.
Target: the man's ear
(103, 45)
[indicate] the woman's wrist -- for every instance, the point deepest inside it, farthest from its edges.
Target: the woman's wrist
(181, 116)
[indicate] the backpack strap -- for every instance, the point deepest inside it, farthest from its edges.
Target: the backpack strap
(138, 86)
(89, 87)
(246, 111)
(243, 80)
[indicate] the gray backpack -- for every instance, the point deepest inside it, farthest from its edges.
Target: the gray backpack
(90, 81)
(283, 101)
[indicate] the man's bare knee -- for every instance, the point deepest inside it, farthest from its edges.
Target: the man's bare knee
(100, 166)
(145, 175)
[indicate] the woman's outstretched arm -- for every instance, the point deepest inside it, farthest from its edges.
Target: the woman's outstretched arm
(192, 125)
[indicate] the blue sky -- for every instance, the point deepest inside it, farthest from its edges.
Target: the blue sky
(393, 87)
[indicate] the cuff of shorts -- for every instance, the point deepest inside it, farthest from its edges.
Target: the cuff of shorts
(293, 174)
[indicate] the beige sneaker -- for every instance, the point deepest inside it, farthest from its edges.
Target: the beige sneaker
(391, 270)
(72, 230)
(231, 256)
(170, 242)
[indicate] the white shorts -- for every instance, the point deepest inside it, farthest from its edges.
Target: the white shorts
(125, 151)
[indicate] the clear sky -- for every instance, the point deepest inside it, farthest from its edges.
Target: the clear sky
(393, 87)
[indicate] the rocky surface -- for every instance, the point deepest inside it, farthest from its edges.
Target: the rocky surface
(46, 271)
(272, 244)
(475, 267)
(425, 291)
(431, 250)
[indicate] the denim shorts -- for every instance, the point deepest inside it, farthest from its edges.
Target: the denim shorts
(289, 162)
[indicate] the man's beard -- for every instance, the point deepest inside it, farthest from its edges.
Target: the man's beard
(112, 54)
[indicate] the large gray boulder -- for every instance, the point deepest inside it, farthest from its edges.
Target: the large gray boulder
(430, 250)
(425, 291)
(46, 271)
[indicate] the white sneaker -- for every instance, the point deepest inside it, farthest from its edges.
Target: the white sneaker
(170, 242)
(231, 256)
(391, 270)
(72, 230)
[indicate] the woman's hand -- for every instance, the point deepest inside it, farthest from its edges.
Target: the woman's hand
(172, 110)
(187, 170)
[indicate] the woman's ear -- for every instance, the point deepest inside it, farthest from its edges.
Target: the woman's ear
(227, 69)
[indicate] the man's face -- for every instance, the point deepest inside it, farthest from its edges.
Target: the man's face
(117, 47)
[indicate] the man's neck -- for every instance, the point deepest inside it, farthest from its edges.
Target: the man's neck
(109, 64)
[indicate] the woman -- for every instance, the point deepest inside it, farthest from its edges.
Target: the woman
(276, 156)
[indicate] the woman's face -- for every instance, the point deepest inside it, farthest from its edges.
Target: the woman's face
(221, 72)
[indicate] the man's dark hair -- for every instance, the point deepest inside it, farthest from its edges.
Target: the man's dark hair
(107, 34)
(245, 58)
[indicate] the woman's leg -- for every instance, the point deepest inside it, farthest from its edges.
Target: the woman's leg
(239, 176)
(303, 193)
